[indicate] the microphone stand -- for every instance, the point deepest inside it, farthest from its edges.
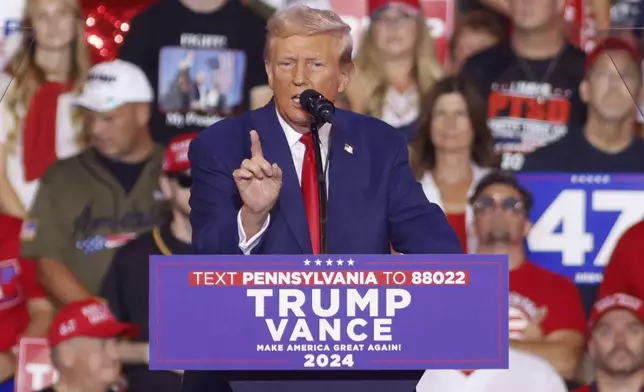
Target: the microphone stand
(322, 193)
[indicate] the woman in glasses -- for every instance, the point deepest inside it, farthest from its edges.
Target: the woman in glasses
(452, 150)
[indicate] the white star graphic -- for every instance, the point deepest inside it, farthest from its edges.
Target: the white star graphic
(318, 262)
(329, 263)
(350, 261)
(340, 262)
(307, 262)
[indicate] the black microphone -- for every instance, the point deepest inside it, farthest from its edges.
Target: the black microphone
(320, 108)
(321, 111)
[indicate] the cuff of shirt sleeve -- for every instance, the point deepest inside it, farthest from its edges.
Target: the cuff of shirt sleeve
(247, 245)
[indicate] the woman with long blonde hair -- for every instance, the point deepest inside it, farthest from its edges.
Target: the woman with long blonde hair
(36, 122)
(395, 64)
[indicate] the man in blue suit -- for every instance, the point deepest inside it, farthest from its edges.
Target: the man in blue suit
(253, 175)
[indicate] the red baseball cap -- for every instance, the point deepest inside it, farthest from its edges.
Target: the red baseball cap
(375, 6)
(612, 43)
(614, 302)
(176, 159)
(89, 318)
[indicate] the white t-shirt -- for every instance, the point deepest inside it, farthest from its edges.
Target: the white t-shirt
(66, 145)
(527, 373)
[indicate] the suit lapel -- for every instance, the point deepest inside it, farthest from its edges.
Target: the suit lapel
(276, 150)
(343, 173)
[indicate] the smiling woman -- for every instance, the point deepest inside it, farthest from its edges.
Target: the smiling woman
(36, 122)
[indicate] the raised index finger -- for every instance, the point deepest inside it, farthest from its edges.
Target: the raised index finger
(255, 145)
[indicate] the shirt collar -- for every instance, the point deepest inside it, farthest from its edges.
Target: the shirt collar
(293, 136)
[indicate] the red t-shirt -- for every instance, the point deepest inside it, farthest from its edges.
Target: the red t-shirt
(457, 221)
(535, 290)
(625, 270)
(17, 284)
(585, 388)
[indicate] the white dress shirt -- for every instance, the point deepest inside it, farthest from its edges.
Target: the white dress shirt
(526, 373)
(433, 195)
(297, 151)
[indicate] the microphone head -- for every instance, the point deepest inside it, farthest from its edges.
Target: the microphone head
(307, 97)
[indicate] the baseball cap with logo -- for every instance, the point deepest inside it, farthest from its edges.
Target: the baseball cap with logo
(90, 318)
(376, 6)
(176, 159)
(612, 43)
(113, 83)
(614, 302)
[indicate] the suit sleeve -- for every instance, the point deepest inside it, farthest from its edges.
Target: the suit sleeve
(214, 203)
(415, 224)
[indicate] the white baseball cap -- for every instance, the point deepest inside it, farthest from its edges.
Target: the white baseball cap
(113, 83)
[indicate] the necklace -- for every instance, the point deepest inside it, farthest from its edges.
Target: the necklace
(527, 70)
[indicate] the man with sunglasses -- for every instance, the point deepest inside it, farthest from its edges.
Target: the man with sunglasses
(126, 287)
(546, 313)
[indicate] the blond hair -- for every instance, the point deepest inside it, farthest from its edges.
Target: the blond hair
(28, 76)
(306, 21)
(373, 84)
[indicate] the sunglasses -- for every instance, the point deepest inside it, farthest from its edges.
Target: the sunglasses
(489, 203)
(184, 181)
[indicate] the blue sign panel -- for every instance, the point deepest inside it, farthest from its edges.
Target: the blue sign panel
(337, 312)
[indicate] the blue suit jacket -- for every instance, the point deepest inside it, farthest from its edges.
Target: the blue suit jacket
(373, 196)
(373, 199)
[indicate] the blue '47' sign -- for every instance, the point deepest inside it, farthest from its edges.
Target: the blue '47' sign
(578, 219)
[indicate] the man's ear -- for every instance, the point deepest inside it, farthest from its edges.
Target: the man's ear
(269, 73)
(166, 188)
(346, 73)
(142, 113)
(526, 228)
(584, 91)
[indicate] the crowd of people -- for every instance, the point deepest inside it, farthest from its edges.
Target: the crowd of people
(95, 175)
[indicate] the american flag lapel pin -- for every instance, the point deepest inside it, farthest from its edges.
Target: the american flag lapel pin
(348, 149)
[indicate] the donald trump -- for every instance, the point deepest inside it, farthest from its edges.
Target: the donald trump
(255, 188)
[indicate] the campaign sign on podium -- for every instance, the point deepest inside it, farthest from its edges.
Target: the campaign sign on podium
(337, 312)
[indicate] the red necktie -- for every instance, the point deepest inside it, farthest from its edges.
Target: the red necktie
(310, 191)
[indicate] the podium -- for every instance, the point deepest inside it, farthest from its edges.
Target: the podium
(369, 322)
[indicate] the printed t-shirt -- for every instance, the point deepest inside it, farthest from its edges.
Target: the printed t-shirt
(523, 113)
(82, 213)
(625, 270)
(535, 290)
(18, 284)
(202, 66)
(574, 154)
(526, 373)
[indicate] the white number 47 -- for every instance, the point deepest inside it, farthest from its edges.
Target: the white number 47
(569, 210)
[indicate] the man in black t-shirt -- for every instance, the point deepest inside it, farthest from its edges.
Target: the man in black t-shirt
(126, 284)
(82, 338)
(530, 83)
(607, 144)
(204, 60)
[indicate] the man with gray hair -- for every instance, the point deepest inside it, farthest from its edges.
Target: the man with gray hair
(374, 200)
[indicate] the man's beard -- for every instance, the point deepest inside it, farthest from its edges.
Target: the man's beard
(604, 363)
(499, 236)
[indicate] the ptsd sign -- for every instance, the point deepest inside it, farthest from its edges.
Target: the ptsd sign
(334, 312)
